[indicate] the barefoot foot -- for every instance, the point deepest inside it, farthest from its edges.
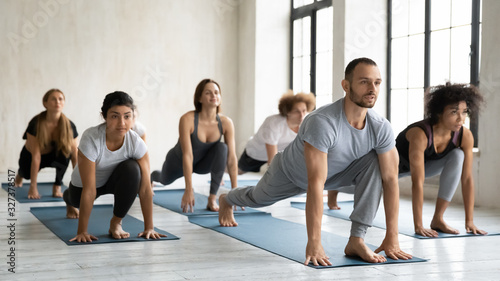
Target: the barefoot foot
(33, 193)
(332, 200)
(72, 212)
(226, 217)
(357, 247)
(115, 229)
(18, 182)
(56, 191)
(212, 204)
(441, 226)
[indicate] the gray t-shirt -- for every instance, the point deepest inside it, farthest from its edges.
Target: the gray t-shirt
(327, 129)
(93, 146)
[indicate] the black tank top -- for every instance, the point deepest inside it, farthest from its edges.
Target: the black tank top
(199, 148)
(403, 145)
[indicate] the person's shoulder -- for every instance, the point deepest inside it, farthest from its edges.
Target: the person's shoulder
(34, 120)
(134, 136)
(95, 131)
(187, 118)
(275, 119)
(375, 117)
(225, 120)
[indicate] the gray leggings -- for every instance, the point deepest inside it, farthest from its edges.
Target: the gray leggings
(362, 176)
(450, 168)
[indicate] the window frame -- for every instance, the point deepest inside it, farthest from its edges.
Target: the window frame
(473, 55)
(299, 13)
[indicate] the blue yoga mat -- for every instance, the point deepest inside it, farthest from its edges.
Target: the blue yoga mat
(54, 218)
(44, 188)
(171, 199)
(241, 183)
(405, 224)
(287, 239)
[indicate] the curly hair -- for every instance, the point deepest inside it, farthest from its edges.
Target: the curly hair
(438, 97)
(288, 100)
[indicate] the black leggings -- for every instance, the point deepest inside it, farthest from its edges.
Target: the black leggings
(124, 183)
(213, 162)
(51, 159)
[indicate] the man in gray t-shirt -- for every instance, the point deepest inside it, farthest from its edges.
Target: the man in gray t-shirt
(344, 144)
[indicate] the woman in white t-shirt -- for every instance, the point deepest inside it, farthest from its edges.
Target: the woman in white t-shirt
(112, 159)
(276, 132)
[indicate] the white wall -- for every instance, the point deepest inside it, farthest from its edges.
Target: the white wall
(488, 179)
(264, 62)
(156, 50)
(366, 36)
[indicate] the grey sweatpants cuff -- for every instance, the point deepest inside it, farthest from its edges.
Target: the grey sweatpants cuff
(358, 229)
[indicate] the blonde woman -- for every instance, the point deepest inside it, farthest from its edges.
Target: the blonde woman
(276, 132)
(50, 142)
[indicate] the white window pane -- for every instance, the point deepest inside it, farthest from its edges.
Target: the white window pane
(306, 74)
(302, 37)
(440, 57)
(416, 17)
(306, 36)
(297, 74)
(399, 64)
(416, 46)
(399, 18)
(460, 59)
(461, 12)
(440, 14)
(415, 105)
(322, 100)
(324, 30)
(324, 65)
(399, 110)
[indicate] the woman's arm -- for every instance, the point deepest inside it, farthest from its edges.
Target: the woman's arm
(418, 143)
(74, 152)
(36, 157)
(271, 150)
(146, 199)
(87, 174)
(232, 159)
(186, 127)
(468, 182)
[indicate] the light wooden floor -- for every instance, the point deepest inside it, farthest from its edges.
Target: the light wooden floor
(203, 254)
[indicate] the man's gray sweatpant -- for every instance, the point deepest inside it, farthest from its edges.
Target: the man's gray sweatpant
(362, 177)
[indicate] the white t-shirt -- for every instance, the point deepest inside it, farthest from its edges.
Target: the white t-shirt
(273, 131)
(93, 146)
(139, 128)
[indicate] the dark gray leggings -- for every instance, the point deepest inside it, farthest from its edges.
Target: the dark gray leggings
(124, 183)
(450, 168)
(213, 162)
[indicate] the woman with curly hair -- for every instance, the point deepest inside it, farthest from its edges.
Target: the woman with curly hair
(440, 144)
(50, 142)
(276, 132)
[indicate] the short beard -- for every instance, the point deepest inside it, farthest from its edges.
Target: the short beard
(359, 103)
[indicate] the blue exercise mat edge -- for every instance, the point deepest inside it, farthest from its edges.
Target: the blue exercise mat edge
(70, 226)
(246, 231)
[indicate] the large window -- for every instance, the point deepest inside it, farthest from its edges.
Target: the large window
(312, 48)
(431, 42)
